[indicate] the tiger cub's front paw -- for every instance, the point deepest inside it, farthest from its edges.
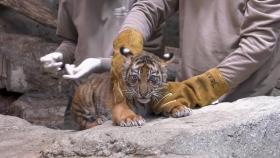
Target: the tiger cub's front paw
(134, 120)
(180, 111)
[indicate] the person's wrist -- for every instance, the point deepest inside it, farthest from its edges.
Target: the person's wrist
(105, 64)
(217, 81)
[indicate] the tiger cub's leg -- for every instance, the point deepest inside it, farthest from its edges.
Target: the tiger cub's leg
(87, 118)
(176, 108)
(86, 110)
(123, 116)
(86, 124)
(180, 111)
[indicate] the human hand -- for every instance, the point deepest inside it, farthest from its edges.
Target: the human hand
(198, 91)
(129, 38)
(52, 62)
(89, 64)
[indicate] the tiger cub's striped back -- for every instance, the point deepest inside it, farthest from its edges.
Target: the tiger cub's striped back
(144, 77)
(92, 101)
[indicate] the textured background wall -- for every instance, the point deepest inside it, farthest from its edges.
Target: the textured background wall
(24, 33)
(27, 32)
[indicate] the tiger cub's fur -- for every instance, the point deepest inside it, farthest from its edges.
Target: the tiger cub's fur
(144, 77)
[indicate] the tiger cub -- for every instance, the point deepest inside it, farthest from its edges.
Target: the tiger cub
(144, 77)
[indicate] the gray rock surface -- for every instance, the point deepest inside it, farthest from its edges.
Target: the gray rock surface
(12, 22)
(40, 109)
(23, 70)
(246, 128)
(20, 139)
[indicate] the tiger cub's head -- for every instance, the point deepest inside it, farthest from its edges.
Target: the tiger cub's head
(144, 76)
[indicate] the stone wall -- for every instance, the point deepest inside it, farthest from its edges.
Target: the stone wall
(246, 128)
(22, 42)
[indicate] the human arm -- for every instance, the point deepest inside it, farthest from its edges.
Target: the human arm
(259, 36)
(67, 31)
(132, 37)
(146, 16)
(88, 65)
(54, 61)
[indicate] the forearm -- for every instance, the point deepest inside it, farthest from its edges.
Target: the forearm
(105, 65)
(145, 16)
(67, 48)
(258, 40)
(66, 30)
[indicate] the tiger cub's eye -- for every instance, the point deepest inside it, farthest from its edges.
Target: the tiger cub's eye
(154, 79)
(134, 78)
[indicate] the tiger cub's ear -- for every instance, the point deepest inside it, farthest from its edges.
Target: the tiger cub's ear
(167, 58)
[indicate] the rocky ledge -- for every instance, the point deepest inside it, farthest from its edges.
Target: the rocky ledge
(246, 128)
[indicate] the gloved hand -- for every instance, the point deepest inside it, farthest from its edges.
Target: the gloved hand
(52, 62)
(199, 91)
(130, 39)
(89, 64)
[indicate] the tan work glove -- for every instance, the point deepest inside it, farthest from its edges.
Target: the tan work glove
(199, 91)
(129, 39)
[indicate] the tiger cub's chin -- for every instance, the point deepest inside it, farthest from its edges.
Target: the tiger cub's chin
(144, 100)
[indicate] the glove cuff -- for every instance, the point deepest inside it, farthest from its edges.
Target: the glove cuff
(217, 82)
(105, 64)
(67, 48)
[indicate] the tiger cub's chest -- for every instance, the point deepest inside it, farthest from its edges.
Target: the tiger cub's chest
(144, 110)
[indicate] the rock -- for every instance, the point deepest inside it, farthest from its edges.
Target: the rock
(42, 11)
(12, 22)
(275, 92)
(40, 109)
(6, 99)
(246, 128)
(44, 100)
(20, 139)
(23, 69)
